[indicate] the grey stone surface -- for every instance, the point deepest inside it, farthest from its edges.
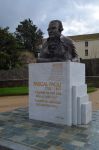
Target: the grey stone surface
(83, 137)
(51, 97)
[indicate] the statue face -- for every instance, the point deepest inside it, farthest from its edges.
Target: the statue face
(53, 30)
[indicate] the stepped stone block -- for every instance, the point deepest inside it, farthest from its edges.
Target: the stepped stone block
(86, 112)
(77, 91)
(80, 101)
(56, 92)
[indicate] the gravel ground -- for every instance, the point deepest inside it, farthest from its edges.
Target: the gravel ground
(94, 97)
(8, 103)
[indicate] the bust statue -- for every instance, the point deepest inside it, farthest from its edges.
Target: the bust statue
(57, 48)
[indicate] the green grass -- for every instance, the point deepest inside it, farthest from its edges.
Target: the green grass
(24, 90)
(13, 91)
(91, 89)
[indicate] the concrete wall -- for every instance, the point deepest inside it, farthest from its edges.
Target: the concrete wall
(14, 83)
(93, 49)
(13, 74)
(14, 77)
(92, 67)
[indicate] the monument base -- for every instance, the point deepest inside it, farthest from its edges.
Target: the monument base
(58, 93)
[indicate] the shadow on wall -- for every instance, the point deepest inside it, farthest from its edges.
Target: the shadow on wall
(92, 66)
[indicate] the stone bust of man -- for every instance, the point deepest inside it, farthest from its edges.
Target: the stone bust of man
(57, 48)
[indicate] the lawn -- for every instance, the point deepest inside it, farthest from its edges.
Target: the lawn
(91, 89)
(24, 90)
(13, 91)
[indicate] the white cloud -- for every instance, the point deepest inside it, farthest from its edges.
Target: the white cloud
(83, 19)
(95, 13)
(91, 10)
(43, 18)
(78, 16)
(75, 27)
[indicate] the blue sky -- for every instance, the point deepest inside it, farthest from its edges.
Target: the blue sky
(77, 16)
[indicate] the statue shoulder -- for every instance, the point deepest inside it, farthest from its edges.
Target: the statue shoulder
(69, 42)
(66, 40)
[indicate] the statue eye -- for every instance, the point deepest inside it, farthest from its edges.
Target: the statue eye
(53, 27)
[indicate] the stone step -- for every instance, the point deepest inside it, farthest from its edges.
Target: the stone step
(80, 101)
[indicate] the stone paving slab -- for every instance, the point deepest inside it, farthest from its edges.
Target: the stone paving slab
(19, 133)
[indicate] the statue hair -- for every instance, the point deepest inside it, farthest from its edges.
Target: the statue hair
(56, 21)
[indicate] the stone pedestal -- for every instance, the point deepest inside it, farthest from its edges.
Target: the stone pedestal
(58, 93)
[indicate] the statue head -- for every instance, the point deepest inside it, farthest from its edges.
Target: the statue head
(55, 28)
(56, 47)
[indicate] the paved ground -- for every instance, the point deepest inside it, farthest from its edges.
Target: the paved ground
(19, 133)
